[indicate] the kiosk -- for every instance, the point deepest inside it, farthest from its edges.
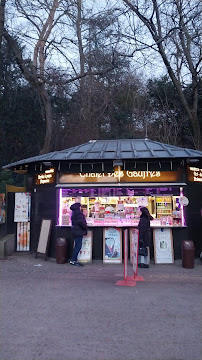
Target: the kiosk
(112, 179)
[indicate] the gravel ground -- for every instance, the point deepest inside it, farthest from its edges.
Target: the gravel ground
(51, 311)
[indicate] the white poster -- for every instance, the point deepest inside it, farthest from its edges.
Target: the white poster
(112, 245)
(22, 207)
(23, 236)
(85, 254)
(163, 246)
(142, 201)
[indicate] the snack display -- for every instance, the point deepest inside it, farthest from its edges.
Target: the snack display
(122, 210)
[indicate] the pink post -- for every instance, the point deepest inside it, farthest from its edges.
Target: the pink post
(134, 249)
(125, 254)
(128, 281)
(60, 207)
(182, 207)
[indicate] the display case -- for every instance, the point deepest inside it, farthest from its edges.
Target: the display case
(177, 211)
(121, 210)
(163, 206)
(106, 210)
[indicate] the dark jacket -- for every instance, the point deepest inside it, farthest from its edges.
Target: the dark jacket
(144, 228)
(79, 225)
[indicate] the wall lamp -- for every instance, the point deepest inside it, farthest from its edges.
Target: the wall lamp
(117, 163)
(47, 163)
(191, 161)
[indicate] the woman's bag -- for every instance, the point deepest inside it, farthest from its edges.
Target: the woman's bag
(142, 251)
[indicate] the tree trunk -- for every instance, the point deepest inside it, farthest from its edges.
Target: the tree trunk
(48, 118)
(2, 18)
(85, 89)
(79, 36)
(30, 75)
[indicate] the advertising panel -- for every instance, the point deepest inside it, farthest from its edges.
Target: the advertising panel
(23, 236)
(134, 243)
(85, 254)
(112, 245)
(163, 246)
(2, 209)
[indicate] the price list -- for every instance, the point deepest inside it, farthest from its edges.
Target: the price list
(120, 191)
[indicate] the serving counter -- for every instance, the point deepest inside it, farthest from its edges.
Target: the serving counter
(166, 240)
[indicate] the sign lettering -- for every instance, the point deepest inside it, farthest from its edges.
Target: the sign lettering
(121, 176)
(195, 174)
(45, 178)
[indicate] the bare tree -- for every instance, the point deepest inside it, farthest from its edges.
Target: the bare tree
(96, 58)
(33, 67)
(173, 29)
(44, 36)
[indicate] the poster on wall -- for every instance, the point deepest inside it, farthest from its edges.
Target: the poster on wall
(85, 254)
(142, 201)
(22, 207)
(2, 209)
(134, 243)
(163, 246)
(112, 245)
(23, 236)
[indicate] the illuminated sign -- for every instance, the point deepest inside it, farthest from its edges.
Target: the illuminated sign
(194, 174)
(46, 178)
(121, 176)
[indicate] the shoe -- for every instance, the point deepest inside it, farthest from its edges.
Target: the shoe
(75, 263)
(143, 266)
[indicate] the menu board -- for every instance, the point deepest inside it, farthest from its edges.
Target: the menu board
(22, 207)
(85, 254)
(163, 246)
(112, 245)
(120, 191)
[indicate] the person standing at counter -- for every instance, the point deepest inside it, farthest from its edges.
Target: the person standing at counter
(79, 229)
(144, 237)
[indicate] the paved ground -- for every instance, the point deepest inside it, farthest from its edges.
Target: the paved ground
(60, 312)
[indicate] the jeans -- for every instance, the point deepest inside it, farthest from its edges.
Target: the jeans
(77, 247)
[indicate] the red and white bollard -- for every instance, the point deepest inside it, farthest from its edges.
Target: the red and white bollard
(131, 280)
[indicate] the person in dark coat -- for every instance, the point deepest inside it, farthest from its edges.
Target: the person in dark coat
(144, 230)
(79, 229)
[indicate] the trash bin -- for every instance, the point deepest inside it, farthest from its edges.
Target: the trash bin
(61, 250)
(188, 251)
